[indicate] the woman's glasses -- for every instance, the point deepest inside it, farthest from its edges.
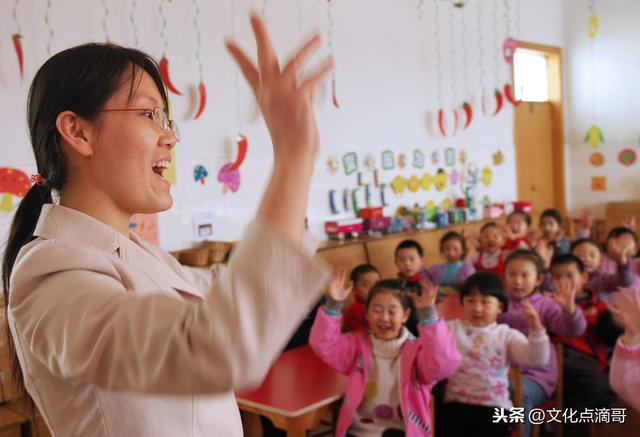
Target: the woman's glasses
(158, 115)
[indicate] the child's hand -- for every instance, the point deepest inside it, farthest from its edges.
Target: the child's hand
(630, 223)
(534, 237)
(428, 296)
(626, 311)
(506, 230)
(337, 291)
(545, 249)
(533, 319)
(471, 238)
(565, 294)
(586, 223)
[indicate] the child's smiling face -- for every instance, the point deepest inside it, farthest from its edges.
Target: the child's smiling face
(452, 250)
(589, 254)
(518, 225)
(521, 277)
(491, 239)
(480, 309)
(386, 316)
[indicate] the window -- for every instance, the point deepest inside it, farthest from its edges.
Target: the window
(530, 76)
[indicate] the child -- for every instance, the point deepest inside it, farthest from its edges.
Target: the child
(585, 357)
(391, 373)
(552, 231)
(558, 313)
(625, 364)
(517, 229)
(618, 237)
(363, 277)
(488, 348)
(490, 257)
(599, 281)
(450, 275)
(408, 259)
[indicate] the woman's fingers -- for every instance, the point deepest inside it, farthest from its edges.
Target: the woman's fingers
(296, 64)
(267, 59)
(248, 69)
(312, 80)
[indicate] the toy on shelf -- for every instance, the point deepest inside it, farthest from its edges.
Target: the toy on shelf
(339, 229)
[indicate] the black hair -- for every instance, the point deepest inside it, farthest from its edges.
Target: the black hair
(581, 241)
(361, 270)
(488, 225)
(398, 289)
(527, 217)
(565, 259)
(80, 79)
(621, 230)
(409, 244)
(552, 213)
(487, 284)
(527, 255)
(453, 235)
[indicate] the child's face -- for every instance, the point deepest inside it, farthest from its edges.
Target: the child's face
(364, 283)
(570, 272)
(386, 316)
(408, 262)
(550, 227)
(452, 250)
(589, 254)
(518, 225)
(491, 239)
(521, 278)
(481, 310)
(623, 241)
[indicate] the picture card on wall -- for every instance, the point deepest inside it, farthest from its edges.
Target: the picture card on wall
(599, 183)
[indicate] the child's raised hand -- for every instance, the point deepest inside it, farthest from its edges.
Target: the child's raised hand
(337, 291)
(533, 319)
(506, 231)
(545, 249)
(565, 294)
(586, 223)
(626, 311)
(428, 296)
(630, 223)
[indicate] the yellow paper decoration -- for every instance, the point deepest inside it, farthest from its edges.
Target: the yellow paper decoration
(426, 181)
(487, 176)
(447, 204)
(440, 180)
(429, 205)
(593, 26)
(399, 184)
(414, 184)
(594, 136)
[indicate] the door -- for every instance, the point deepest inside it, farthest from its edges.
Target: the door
(534, 154)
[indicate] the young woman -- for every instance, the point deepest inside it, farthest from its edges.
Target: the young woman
(113, 337)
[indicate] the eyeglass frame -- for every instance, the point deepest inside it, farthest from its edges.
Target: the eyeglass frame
(160, 117)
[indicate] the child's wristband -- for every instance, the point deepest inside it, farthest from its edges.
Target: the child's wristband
(428, 315)
(333, 307)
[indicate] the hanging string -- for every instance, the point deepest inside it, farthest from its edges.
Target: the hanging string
(480, 49)
(236, 78)
(330, 46)
(104, 20)
(163, 28)
(507, 30)
(48, 24)
(300, 17)
(465, 54)
(452, 60)
(436, 37)
(14, 14)
(133, 23)
(263, 11)
(419, 6)
(196, 26)
(496, 44)
(592, 68)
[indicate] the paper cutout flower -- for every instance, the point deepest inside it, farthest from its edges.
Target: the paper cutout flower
(594, 136)
(13, 182)
(200, 173)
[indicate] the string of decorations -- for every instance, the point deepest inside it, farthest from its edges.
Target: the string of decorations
(334, 97)
(164, 61)
(16, 38)
(133, 23)
(202, 90)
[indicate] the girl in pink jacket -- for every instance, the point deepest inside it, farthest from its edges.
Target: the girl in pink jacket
(624, 375)
(391, 372)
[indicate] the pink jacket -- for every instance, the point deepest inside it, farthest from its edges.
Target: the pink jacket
(423, 362)
(624, 376)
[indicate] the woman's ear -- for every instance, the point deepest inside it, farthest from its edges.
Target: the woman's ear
(76, 132)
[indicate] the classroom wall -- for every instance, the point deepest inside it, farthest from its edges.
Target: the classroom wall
(601, 88)
(391, 73)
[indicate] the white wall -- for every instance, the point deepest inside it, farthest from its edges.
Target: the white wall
(616, 68)
(387, 81)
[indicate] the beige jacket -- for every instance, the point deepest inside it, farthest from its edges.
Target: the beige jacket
(115, 338)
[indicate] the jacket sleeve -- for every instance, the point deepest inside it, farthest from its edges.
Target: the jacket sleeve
(560, 323)
(72, 311)
(437, 355)
(334, 348)
(624, 375)
(466, 270)
(604, 281)
(532, 351)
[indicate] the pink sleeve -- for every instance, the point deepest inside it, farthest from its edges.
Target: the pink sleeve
(334, 348)
(438, 357)
(624, 376)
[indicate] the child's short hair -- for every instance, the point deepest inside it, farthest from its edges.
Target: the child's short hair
(565, 259)
(581, 241)
(453, 235)
(361, 270)
(488, 225)
(621, 230)
(552, 213)
(487, 284)
(409, 244)
(527, 255)
(393, 287)
(527, 217)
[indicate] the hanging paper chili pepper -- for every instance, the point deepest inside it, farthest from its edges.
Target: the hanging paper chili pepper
(166, 78)
(243, 145)
(468, 111)
(17, 45)
(509, 95)
(499, 101)
(202, 99)
(441, 122)
(334, 97)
